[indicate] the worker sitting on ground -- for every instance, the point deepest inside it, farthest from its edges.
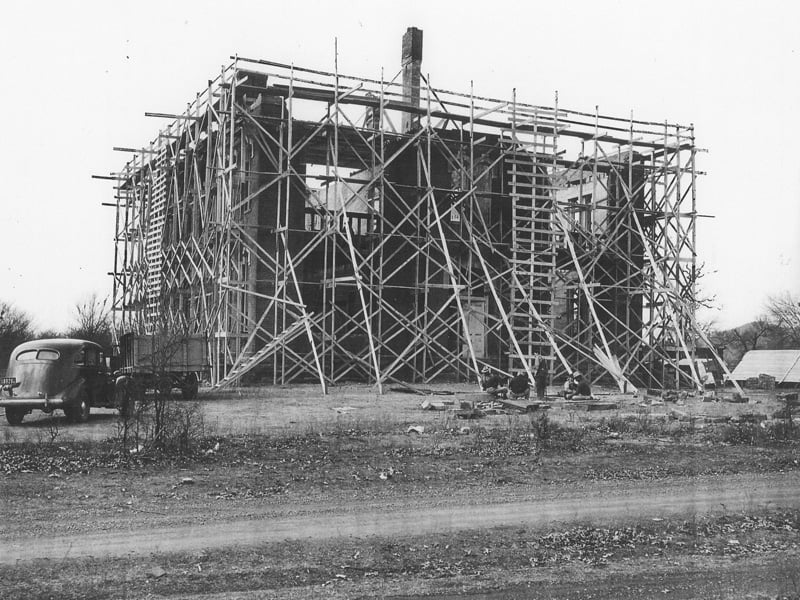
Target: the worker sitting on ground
(492, 383)
(582, 386)
(569, 386)
(577, 386)
(519, 387)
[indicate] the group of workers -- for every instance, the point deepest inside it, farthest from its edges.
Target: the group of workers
(518, 387)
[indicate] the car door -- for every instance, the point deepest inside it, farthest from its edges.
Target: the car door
(93, 371)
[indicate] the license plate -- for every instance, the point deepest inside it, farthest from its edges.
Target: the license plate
(8, 380)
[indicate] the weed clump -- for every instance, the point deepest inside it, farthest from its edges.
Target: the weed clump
(553, 436)
(760, 434)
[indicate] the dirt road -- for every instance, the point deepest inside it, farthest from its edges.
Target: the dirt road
(628, 503)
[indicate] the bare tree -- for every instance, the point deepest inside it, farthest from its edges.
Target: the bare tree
(15, 327)
(778, 328)
(784, 311)
(92, 321)
(748, 336)
(736, 342)
(702, 298)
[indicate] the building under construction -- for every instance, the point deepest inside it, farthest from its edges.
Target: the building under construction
(321, 226)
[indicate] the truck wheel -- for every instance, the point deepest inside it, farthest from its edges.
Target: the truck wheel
(190, 387)
(14, 416)
(164, 387)
(78, 412)
(124, 397)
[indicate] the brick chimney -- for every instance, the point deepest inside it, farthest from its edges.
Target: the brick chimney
(411, 63)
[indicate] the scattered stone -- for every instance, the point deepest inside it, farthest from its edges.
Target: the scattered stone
(387, 474)
(155, 572)
(679, 414)
(669, 396)
(737, 398)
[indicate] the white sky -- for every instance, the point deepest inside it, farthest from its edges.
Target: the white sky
(79, 76)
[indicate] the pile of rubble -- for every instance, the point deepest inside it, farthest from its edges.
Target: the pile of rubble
(480, 404)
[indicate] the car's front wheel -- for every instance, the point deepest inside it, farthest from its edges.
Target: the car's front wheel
(82, 410)
(14, 416)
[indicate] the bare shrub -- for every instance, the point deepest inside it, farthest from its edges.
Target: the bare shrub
(152, 419)
(92, 321)
(15, 327)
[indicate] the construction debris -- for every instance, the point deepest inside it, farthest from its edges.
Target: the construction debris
(748, 418)
(436, 404)
(737, 399)
(602, 406)
(680, 415)
(469, 413)
(404, 388)
(589, 403)
(523, 407)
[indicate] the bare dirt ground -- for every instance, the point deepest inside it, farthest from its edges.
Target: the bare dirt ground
(292, 494)
(567, 505)
(275, 410)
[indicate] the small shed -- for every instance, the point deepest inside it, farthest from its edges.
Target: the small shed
(783, 365)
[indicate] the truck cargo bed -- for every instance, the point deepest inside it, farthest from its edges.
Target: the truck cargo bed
(153, 353)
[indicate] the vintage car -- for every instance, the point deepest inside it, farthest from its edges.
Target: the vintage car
(67, 374)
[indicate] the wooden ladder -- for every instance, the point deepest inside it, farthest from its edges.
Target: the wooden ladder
(154, 258)
(533, 255)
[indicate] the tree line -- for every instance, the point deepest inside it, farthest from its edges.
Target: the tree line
(91, 320)
(777, 328)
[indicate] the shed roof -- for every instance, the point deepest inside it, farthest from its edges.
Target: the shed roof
(783, 365)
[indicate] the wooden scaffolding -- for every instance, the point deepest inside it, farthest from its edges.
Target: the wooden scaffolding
(318, 226)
